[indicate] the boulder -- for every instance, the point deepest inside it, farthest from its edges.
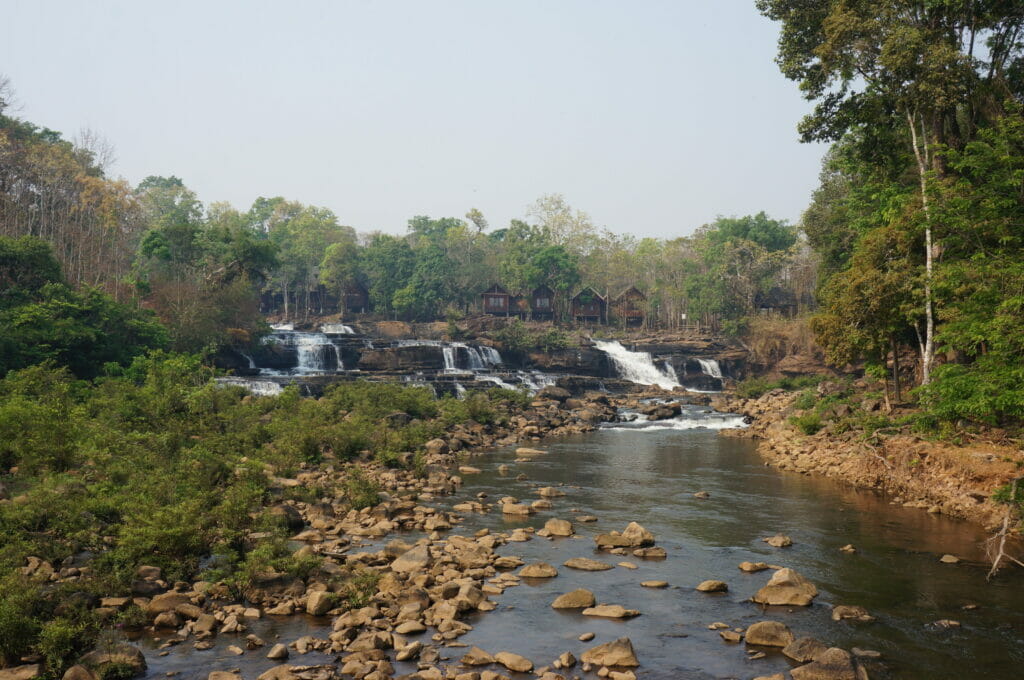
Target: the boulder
(223, 675)
(587, 564)
(514, 662)
(278, 652)
(25, 672)
(78, 673)
(166, 602)
(637, 535)
(712, 586)
(804, 649)
(778, 541)
(611, 611)
(553, 392)
(576, 599)
(436, 447)
(558, 527)
(854, 612)
(786, 587)
(278, 673)
(550, 492)
(615, 653)
(832, 664)
(319, 602)
(476, 657)
(516, 509)
(121, 654)
(654, 584)
(538, 570)
(769, 634)
(416, 559)
(751, 567)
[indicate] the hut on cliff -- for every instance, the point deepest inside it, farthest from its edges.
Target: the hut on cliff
(495, 300)
(629, 307)
(542, 303)
(589, 306)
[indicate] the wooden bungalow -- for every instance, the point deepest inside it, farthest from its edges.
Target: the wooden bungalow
(496, 300)
(356, 298)
(589, 306)
(778, 300)
(629, 307)
(542, 303)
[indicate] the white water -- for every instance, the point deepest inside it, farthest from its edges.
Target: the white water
(337, 328)
(262, 388)
(496, 380)
(449, 359)
(710, 367)
(252, 364)
(283, 326)
(637, 367)
(491, 355)
(688, 420)
(460, 391)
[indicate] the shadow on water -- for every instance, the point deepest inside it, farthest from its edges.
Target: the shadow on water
(650, 476)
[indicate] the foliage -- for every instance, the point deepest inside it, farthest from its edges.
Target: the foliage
(360, 490)
(519, 337)
(808, 423)
(752, 388)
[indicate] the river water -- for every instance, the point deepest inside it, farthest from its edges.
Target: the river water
(649, 474)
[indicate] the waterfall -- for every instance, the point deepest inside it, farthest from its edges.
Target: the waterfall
(476, 362)
(491, 355)
(460, 391)
(449, 358)
(262, 388)
(315, 352)
(496, 380)
(252, 364)
(337, 329)
(710, 367)
(283, 326)
(637, 367)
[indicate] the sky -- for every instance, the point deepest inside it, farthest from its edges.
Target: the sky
(652, 117)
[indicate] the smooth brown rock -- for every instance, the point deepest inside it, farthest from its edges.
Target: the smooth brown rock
(712, 586)
(514, 662)
(615, 653)
(78, 673)
(278, 652)
(769, 634)
(559, 527)
(654, 584)
(611, 611)
(412, 560)
(586, 564)
(476, 657)
(319, 602)
(804, 649)
(832, 664)
(778, 541)
(166, 602)
(223, 675)
(24, 672)
(538, 570)
(854, 612)
(751, 567)
(576, 599)
(786, 587)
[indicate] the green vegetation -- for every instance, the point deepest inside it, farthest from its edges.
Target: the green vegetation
(917, 221)
(752, 388)
(519, 337)
(156, 464)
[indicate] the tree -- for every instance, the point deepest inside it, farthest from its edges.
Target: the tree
(913, 65)
(340, 268)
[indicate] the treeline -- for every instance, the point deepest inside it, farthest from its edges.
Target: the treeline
(919, 218)
(205, 269)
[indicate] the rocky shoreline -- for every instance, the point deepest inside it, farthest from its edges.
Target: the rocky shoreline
(938, 477)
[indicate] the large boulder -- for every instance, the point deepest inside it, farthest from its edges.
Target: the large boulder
(538, 570)
(26, 672)
(123, 654)
(577, 599)
(514, 662)
(832, 664)
(611, 611)
(804, 649)
(553, 392)
(167, 602)
(476, 657)
(413, 560)
(786, 587)
(769, 634)
(587, 564)
(558, 527)
(319, 602)
(615, 653)
(78, 673)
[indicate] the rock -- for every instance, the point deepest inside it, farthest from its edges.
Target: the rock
(586, 637)
(655, 553)
(615, 653)
(469, 470)
(702, 494)
(576, 599)
(751, 567)
(79, 673)
(319, 602)
(773, 676)
(149, 573)
(654, 584)
(949, 559)
(436, 447)
(25, 672)
(611, 611)
(779, 541)
(278, 673)
(566, 660)
(587, 564)
(553, 392)
(287, 515)
(410, 628)
(550, 492)
(637, 535)
(278, 653)
(223, 675)
(712, 586)
(166, 602)
(514, 662)
(769, 634)
(538, 570)
(730, 635)
(516, 509)
(476, 657)
(855, 612)
(559, 527)
(121, 654)
(804, 649)
(786, 587)
(832, 664)
(848, 548)
(526, 451)
(167, 620)
(413, 560)
(410, 651)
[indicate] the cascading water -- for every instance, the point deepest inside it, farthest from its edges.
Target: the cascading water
(490, 355)
(314, 352)
(710, 367)
(252, 364)
(449, 359)
(337, 329)
(637, 367)
(262, 388)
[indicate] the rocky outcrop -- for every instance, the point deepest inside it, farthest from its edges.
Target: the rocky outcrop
(786, 587)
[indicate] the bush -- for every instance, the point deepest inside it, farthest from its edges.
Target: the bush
(361, 491)
(18, 627)
(62, 641)
(808, 423)
(360, 589)
(987, 391)
(752, 388)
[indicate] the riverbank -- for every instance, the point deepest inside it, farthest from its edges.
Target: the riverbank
(936, 476)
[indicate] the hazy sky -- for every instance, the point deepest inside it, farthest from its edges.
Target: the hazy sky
(653, 117)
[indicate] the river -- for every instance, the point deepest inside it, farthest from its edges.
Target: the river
(650, 475)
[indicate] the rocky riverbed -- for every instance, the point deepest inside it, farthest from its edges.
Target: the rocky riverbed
(440, 552)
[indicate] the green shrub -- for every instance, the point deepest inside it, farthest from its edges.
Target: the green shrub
(62, 641)
(361, 491)
(360, 588)
(18, 627)
(752, 388)
(808, 423)
(806, 400)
